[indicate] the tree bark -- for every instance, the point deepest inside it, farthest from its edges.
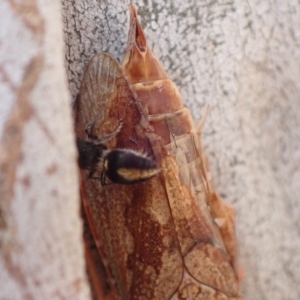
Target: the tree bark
(41, 253)
(241, 57)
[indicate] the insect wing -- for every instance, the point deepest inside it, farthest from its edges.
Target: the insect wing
(208, 253)
(131, 225)
(97, 86)
(170, 237)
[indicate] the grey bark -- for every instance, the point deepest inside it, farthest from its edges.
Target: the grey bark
(242, 58)
(41, 253)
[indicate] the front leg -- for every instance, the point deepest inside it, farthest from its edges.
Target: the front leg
(89, 132)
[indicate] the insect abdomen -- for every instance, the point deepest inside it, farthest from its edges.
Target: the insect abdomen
(126, 166)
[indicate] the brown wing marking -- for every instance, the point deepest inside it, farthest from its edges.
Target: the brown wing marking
(204, 257)
(190, 289)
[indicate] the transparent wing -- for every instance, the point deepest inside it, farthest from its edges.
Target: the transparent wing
(97, 86)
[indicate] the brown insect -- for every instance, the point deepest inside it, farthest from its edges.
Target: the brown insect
(171, 236)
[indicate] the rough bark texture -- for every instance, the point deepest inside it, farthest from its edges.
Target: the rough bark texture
(242, 58)
(41, 254)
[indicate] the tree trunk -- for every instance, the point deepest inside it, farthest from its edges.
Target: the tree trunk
(240, 57)
(41, 253)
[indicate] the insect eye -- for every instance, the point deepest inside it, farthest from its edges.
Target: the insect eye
(128, 166)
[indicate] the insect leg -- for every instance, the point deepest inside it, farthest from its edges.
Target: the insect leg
(91, 174)
(96, 140)
(103, 179)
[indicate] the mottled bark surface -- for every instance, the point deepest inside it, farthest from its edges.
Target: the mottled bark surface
(41, 255)
(242, 58)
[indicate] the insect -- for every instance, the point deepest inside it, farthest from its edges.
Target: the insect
(119, 165)
(170, 237)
